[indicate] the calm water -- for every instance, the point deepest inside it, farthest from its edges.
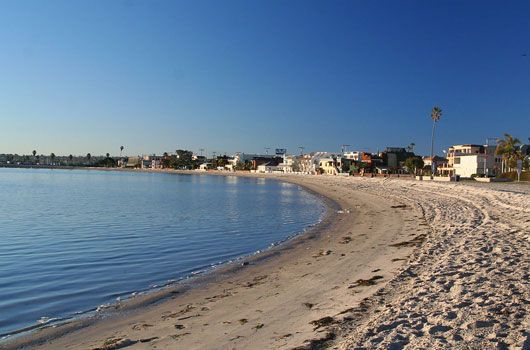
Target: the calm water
(71, 241)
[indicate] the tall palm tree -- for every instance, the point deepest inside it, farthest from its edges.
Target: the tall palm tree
(508, 148)
(436, 114)
(34, 154)
(121, 150)
(88, 156)
(52, 156)
(70, 157)
(108, 155)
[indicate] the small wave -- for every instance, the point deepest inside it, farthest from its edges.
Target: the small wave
(46, 320)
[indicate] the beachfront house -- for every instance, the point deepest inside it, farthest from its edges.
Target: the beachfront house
(133, 162)
(355, 156)
(327, 163)
(471, 160)
(268, 167)
(395, 157)
(438, 163)
(288, 164)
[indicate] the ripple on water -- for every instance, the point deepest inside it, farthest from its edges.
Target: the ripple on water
(75, 240)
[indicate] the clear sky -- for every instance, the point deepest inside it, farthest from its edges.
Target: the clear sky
(228, 76)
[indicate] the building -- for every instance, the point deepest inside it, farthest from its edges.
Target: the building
(288, 164)
(269, 167)
(328, 166)
(327, 163)
(395, 157)
(245, 157)
(273, 161)
(469, 160)
(305, 164)
(356, 156)
(133, 162)
(438, 162)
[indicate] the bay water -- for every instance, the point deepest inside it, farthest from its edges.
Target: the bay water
(75, 240)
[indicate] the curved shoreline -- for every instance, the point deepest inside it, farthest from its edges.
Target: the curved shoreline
(465, 283)
(281, 302)
(34, 335)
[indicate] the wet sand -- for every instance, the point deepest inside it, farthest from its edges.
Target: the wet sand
(269, 304)
(399, 264)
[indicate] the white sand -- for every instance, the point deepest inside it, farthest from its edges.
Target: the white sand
(465, 287)
(468, 286)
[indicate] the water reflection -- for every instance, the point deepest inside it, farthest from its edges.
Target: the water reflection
(120, 232)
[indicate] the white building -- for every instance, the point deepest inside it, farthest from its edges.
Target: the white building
(356, 156)
(467, 160)
(244, 157)
(288, 164)
(267, 168)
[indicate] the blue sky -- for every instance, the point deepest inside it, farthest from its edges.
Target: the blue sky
(228, 76)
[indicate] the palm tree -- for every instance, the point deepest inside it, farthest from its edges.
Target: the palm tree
(436, 114)
(108, 155)
(88, 156)
(507, 148)
(121, 150)
(70, 157)
(52, 156)
(34, 154)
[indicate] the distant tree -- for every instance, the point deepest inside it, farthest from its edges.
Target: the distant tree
(410, 147)
(182, 160)
(107, 162)
(413, 164)
(165, 160)
(70, 157)
(121, 150)
(512, 162)
(34, 154)
(214, 163)
(436, 114)
(52, 157)
(88, 156)
(507, 148)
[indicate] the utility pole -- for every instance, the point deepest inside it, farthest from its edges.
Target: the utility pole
(201, 150)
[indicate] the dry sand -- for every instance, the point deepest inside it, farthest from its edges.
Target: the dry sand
(401, 265)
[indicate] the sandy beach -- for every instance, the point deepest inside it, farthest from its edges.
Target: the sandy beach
(398, 264)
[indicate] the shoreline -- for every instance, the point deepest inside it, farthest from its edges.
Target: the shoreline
(147, 298)
(403, 264)
(261, 262)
